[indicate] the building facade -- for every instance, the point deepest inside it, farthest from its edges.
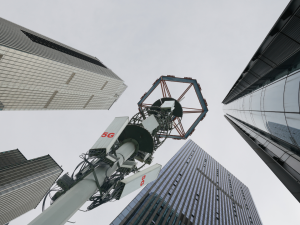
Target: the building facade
(263, 105)
(38, 73)
(24, 182)
(192, 188)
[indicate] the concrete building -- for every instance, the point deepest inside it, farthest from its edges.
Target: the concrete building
(38, 73)
(24, 182)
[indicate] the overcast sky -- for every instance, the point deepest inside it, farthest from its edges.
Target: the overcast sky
(211, 41)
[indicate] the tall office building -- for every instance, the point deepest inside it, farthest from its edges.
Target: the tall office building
(23, 183)
(38, 73)
(263, 105)
(192, 188)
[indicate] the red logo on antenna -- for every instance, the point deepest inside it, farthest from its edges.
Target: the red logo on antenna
(143, 180)
(109, 135)
(104, 134)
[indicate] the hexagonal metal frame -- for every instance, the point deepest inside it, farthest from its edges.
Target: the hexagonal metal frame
(166, 93)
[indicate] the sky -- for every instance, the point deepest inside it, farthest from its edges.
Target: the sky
(211, 41)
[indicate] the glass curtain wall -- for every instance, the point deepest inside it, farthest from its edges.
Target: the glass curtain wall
(273, 109)
(192, 188)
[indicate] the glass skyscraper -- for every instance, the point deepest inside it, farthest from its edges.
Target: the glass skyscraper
(23, 183)
(263, 105)
(192, 188)
(38, 73)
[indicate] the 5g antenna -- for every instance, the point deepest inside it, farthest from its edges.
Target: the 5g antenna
(103, 174)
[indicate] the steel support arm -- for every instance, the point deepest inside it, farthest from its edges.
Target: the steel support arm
(67, 205)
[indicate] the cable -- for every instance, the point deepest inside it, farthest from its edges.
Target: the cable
(44, 201)
(141, 166)
(76, 168)
(47, 194)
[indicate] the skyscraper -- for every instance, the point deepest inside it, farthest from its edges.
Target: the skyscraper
(38, 73)
(192, 188)
(24, 182)
(263, 105)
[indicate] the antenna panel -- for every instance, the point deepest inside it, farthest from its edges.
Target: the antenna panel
(111, 134)
(140, 179)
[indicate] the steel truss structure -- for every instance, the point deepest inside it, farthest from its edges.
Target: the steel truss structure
(162, 82)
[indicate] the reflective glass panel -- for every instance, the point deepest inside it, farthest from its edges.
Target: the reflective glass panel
(242, 115)
(241, 102)
(262, 99)
(293, 121)
(263, 116)
(249, 117)
(277, 126)
(259, 123)
(247, 102)
(238, 115)
(273, 98)
(255, 100)
(291, 93)
(236, 104)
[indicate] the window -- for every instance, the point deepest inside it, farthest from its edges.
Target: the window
(171, 214)
(60, 48)
(273, 96)
(174, 221)
(163, 216)
(1, 56)
(161, 208)
(291, 101)
(250, 220)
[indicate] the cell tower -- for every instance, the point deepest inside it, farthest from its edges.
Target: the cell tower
(100, 177)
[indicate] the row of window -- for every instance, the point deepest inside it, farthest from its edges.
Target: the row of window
(219, 188)
(231, 192)
(63, 49)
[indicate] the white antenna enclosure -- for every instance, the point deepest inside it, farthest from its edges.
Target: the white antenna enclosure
(111, 134)
(140, 179)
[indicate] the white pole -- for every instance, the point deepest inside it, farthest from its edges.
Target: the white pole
(68, 204)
